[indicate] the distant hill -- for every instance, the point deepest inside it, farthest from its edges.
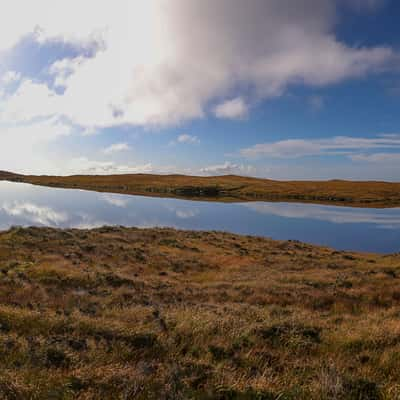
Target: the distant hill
(6, 175)
(228, 188)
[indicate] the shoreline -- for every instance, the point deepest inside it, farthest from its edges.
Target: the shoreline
(227, 188)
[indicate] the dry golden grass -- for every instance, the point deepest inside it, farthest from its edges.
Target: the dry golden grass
(229, 188)
(118, 313)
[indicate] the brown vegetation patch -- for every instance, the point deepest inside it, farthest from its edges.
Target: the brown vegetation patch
(118, 313)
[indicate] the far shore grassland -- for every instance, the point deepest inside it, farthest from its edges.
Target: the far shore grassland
(127, 313)
(228, 188)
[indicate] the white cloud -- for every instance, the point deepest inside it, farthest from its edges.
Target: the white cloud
(30, 101)
(337, 215)
(145, 69)
(344, 145)
(185, 214)
(228, 168)
(185, 138)
(83, 165)
(116, 148)
(387, 158)
(232, 109)
(115, 200)
(390, 135)
(45, 130)
(63, 69)
(34, 213)
(24, 146)
(10, 77)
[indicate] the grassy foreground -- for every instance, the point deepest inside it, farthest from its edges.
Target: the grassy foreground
(124, 313)
(228, 188)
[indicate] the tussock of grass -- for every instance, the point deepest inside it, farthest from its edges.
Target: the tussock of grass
(117, 313)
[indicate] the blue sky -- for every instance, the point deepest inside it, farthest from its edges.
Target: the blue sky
(286, 89)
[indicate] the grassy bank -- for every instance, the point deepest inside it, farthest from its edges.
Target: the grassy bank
(116, 313)
(228, 188)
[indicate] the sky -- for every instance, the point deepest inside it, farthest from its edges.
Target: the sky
(280, 89)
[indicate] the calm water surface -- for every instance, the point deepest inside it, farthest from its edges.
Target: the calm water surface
(376, 230)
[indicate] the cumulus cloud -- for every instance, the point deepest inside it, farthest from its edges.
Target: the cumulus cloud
(30, 101)
(165, 61)
(116, 148)
(185, 138)
(23, 146)
(185, 214)
(62, 69)
(116, 200)
(337, 215)
(339, 145)
(387, 158)
(10, 77)
(228, 168)
(34, 213)
(232, 109)
(86, 166)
